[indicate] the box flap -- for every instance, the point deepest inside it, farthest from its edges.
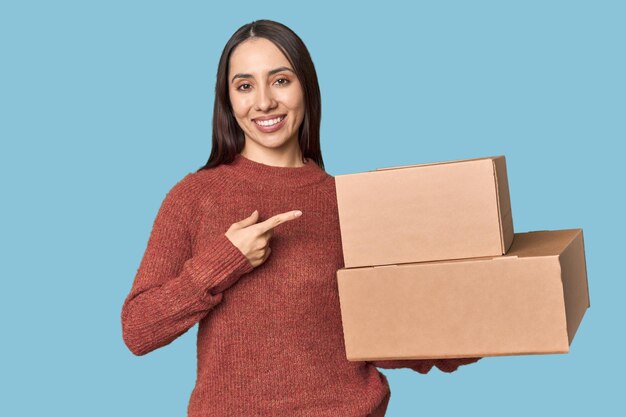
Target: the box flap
(542, 243)
(504, 202)
(575, 284)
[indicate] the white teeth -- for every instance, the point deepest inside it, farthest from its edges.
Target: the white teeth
(269, 122)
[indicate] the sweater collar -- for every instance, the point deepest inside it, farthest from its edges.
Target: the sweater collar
(247, 169)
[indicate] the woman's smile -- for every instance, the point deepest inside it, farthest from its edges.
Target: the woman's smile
(272, 125)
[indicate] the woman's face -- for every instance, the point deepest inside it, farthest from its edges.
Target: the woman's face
(262, 84)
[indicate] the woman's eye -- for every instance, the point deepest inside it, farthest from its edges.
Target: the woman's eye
(286, 81)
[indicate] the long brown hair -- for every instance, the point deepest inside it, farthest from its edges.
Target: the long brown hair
(228, 138)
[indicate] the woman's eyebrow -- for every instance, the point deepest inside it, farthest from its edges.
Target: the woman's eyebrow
(270, 72)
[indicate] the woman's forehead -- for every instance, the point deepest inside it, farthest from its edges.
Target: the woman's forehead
(257, 57)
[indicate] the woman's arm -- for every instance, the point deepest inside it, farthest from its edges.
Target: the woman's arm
(172, 290)
(423, 366)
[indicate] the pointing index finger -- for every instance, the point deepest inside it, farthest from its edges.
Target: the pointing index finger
(277, 219)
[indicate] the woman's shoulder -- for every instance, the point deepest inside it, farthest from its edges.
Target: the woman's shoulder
(190, 193)
(193, 185)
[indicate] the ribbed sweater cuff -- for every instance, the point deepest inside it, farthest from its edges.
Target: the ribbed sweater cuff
(218, 267)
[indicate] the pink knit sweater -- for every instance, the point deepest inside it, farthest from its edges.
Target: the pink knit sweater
(270, 339)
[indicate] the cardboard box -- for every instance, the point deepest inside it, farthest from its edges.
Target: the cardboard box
(425, 212)
(529, 301)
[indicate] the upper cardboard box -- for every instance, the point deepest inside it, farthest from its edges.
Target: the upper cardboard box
(529, 301)
(425, 212)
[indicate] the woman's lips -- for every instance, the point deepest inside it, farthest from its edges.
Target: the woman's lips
(270, 129)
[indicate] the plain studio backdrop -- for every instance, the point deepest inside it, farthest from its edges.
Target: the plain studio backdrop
(105, 105)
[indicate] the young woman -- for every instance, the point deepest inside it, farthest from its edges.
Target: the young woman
(270, 339)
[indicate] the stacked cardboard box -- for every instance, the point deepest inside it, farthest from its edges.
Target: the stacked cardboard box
(433, 268)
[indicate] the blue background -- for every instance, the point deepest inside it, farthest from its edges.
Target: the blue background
(106, 105)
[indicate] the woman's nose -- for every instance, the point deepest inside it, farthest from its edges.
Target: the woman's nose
(264, 98)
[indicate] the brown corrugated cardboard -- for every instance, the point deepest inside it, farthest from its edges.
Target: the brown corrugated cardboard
(529, 301)
(425, 212)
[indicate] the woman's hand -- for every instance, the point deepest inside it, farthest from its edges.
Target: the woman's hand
(253, 238)
(451, 365)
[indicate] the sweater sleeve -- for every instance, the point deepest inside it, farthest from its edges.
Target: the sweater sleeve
(424, 366)
(172, 290)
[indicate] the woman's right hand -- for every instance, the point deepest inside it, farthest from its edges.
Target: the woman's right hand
(253, 238)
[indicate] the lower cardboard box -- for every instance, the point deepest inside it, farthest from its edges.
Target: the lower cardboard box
(529, 301)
